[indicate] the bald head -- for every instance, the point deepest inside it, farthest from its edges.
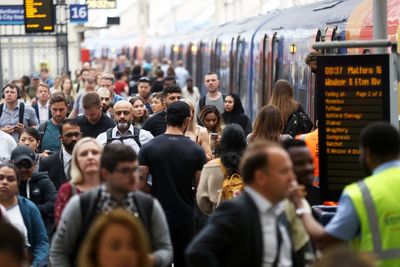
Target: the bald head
(123, 114)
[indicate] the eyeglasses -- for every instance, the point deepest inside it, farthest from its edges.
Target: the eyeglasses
(126, 171)
(72, 134)
(24, 164)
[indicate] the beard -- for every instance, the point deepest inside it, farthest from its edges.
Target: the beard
(69, 147)
(123, 125)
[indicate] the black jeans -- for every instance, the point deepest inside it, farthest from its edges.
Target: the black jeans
(181, 235)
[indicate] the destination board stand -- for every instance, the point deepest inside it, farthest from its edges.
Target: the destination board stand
(353, 91)
(39, 16)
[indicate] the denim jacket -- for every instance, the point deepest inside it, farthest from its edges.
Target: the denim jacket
(37, 234)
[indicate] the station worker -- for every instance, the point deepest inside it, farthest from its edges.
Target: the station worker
(368, 213)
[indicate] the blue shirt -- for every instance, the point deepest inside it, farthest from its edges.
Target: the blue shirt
(12, 118)
(345, 225)
(51, 138)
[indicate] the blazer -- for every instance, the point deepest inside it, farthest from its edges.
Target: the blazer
(232, 238)
(54, 165)
(35, 106)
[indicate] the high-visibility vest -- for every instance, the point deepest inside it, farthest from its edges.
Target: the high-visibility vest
(311, 140)
(377, 202)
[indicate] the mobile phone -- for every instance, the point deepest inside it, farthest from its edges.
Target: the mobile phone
(214, 136)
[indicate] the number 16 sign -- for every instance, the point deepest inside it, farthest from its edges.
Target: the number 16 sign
(78, 13)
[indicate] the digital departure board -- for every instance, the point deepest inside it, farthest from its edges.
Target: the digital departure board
(353, 91)
(39, 16)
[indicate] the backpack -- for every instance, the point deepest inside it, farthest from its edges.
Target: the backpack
(20, 114)
(42, 131)
(88, 201)
(232, 186)
(135, 136)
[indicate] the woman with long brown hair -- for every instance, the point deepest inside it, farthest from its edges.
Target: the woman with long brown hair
(268, 125)
(296, 120)
(197, 133)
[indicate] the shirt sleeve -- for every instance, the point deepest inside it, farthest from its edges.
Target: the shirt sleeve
(345, 225)
(145, 136)
(32, 119)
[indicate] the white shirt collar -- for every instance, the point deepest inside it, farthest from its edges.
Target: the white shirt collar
(262, 203)
(66, 155)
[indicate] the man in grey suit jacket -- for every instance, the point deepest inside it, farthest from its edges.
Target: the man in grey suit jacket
(251, 230)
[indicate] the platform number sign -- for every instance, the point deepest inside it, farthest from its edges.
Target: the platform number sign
(78, 13)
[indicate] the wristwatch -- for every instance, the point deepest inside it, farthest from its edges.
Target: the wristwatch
(301, 211)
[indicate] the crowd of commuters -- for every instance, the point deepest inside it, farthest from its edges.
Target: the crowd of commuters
(129, 169)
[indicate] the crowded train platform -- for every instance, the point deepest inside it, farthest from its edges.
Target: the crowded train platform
(242, 144)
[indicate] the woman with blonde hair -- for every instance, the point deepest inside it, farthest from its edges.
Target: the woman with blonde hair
(115, 239)
(268, 125)
(140, 113)
(85, 173)
(296, 120)
(197, 133)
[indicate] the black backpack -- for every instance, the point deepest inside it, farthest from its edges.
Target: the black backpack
(21, 111)
(88, 200)
(42, 131)
(135, 136)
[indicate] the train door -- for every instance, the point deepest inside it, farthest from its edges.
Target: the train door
(276, 59)
(235, 66)
(243, 69)
(265, 72)
(232, 60)
(222, 65)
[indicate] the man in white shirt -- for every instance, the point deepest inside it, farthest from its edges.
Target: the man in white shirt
(124, 132)
(251, 230)
(42, 107)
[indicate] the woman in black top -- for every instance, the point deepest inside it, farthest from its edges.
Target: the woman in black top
(295, 118)
(234, 113)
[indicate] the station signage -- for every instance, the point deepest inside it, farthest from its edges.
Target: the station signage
(78, 13)
(39, 16)
(353, 91)
(11, 14)
(101, 4)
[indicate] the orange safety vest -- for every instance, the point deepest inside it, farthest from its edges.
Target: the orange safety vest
(311, 140)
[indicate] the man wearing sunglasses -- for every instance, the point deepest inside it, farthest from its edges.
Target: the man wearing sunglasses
(36, 187)
(58, 164)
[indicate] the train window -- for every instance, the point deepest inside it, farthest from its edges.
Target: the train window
(318, 36)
